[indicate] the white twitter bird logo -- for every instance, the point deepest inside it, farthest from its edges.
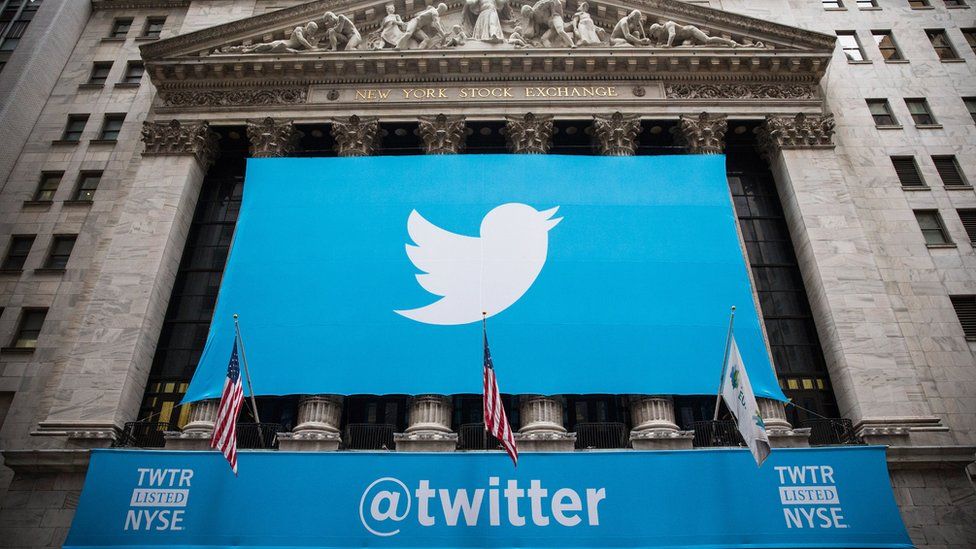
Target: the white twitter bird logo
(474, 275)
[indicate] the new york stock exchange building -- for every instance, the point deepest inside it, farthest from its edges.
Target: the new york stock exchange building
(342, 204)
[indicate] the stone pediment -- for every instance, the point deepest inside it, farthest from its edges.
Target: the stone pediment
(353, 42)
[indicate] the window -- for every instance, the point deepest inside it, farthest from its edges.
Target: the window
(99, 73)
(943, 48)
(75, 127)
(154, 26)
(832, 4)
(965, 306)
(111, 127)
(48, 186)
(61, 247)
(915, 4)
(20, 247)
(932, 228)
(949, 171)
(14, 19)
(849, 43)
(919, 109)
(862, 4)
(968, 218)
(31, 321)
(87, 185)
(886, 44)
(881, 112)
(970, 103)
(970, 36)
(955, 3)
(121, 27)
(907, 171)
(133, 72)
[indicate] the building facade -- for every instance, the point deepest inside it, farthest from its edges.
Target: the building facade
(849, 129)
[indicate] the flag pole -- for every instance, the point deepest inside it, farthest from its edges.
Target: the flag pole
(247, 372)
(725, 360)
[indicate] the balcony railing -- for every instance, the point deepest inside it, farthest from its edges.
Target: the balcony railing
(258, 436)
(143, 434)
(600, 435)
(831, 432)
(473, 436)
(369, 436)
(716, 434)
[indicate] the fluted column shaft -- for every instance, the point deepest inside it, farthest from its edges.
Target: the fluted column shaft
(318, 425)
(773, 413)
(203, 414)
(542, 425)
(654, 424)
(429, 426)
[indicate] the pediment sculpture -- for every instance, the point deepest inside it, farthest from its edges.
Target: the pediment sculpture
(489, 24)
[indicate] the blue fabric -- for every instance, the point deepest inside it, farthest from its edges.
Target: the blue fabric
(692, 498)
(634, 295)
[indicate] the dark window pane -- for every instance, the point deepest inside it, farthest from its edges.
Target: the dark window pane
(881, 112)
(943, 48)
(99, 73)
(48, 186)
(61, 247)
(87, 185)
(133, 73)
(17, 252)
(919, 110)
(886, 44)
(31, 321)
(965, 306)
(154, 26)
(968, 218)
(121, 27)
(949, 171)
(932, 228)
(75, 127)
(907, 171)
(112, 126)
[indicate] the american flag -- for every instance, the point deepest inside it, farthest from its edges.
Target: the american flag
(225, 428)
(496, 422)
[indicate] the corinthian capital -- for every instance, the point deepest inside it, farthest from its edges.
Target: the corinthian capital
(702, 134)
(356, 136)
(796, 132)
(616, 135)
(270, 138)
(530, 134)
(442, 134)
(175, 138)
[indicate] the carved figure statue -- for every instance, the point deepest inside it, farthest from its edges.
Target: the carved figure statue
(302, 38)
(669, 33)
(584, 29)
(340, 32)
(483, 19)
(392, 28)
(629, 31)
(457, 37)
(425, 28)
(544, 22)
(516, 39)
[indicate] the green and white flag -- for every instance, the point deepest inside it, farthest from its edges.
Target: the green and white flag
(738, 396)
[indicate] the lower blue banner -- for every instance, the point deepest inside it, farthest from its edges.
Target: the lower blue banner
(836, 497)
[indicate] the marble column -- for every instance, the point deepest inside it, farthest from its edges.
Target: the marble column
(197, 432)
(853, 311)
(100, 384)
(272, 138)
(442, 134)
(616, 135)
(542, 425)
(356, 136)
(654, 425)
(529, 134)
(429, 426)
(318, 425)
(701, 134)
(781, 434)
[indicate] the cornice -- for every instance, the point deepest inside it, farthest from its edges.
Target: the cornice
(138, 4)
(47, 460)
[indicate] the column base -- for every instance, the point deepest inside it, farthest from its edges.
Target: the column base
(546, 441)
(662, 440)
(187, 440)
(309, 441)
(425, 441)
(788, 438)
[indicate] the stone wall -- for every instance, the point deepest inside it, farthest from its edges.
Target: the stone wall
(38, 508)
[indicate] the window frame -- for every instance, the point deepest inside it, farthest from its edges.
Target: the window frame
(68, 135)
(950, 158)
(932, 35)
(926, 116)
(99, 81)
(969, 34)
(61, 259)
(148, 32)
(970, 104)
(20, 257)
(47, 176)
(917, 172)
(967, 216)
(111, 134)
(846, 49)
(25, 315)
(922, 4)
(893, 121)
(890, 35)
(940, 229)
(833, 4)
(967, 324)
(119, 22)
(127, 76)
(78, 195)
(871, 4)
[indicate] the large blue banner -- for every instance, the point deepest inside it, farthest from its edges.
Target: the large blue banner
(837, 497)
(597, 274)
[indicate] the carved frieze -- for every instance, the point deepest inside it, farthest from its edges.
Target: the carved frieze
(270, 138)
(616, 135)
(175, 138)
(442, 134)
(796, 132)
(741, 91)
(356, 136)
(701, 134)
(235, 97)
(529, 134)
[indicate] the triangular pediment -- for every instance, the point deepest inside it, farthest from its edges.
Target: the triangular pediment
(730, 31)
